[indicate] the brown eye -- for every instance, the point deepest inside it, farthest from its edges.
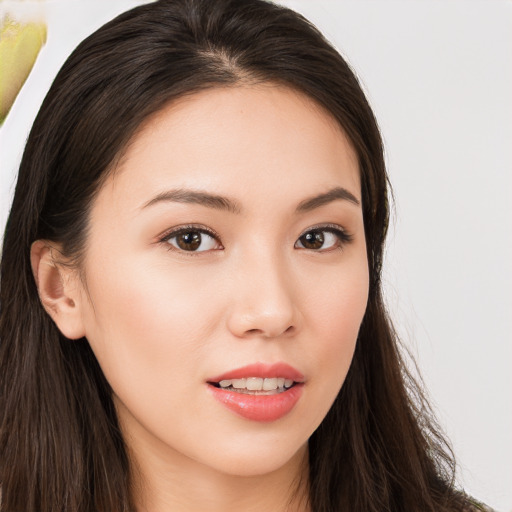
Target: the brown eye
(320, 239)
(312, 240)
(192, 241)
(189, 241)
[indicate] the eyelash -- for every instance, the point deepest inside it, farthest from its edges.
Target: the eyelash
(342, 236)
(340, 233)
(174, 233)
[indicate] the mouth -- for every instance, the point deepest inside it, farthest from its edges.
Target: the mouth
(257, 386)
(259, 392)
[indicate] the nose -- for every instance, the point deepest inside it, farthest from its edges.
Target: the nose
(263, 300)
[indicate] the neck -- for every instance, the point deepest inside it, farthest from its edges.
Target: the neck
(184, 485)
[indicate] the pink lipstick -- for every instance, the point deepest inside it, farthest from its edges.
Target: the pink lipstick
(259, 392)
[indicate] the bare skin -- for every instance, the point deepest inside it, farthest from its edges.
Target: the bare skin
(278, 274)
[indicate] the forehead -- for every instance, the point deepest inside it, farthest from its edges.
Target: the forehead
(260, 140)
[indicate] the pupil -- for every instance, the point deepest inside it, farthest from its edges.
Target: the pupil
(313, 240)
(189, 241)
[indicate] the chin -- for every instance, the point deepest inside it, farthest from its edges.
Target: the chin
(256, 458)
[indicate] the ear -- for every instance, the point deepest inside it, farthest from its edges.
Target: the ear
(59, 289)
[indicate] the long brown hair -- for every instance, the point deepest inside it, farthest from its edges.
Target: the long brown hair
(61, 448)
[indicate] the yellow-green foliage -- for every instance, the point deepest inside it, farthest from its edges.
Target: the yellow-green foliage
(19, 46)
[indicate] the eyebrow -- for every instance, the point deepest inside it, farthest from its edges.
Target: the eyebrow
(219, 202)
(196, 197)
(334, 194)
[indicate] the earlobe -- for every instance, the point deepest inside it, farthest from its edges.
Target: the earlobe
(58, 289)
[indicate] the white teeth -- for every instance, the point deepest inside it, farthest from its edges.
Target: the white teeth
(257, 383)
(269, 384)
(239, 383)
(254, 384)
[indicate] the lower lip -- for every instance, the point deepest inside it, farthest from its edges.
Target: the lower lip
(264, 408)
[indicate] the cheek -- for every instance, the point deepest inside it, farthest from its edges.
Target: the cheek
(334, 315)
(150, 334)
(337, 299)
(144, 325)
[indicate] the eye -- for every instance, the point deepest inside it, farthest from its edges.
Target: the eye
(192, 239)
(323, 238)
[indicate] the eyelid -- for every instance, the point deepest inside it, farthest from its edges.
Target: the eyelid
(178, 230)
(339, 231)
(328, 227)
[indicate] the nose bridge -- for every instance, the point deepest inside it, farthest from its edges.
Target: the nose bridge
(264, 302)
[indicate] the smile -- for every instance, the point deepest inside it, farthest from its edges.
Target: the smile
(257, 384)
(270, 393)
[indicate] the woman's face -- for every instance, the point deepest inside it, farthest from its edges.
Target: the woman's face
(230, 236)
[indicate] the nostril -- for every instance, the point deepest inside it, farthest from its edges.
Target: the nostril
(288, 330)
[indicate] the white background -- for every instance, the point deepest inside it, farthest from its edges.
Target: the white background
(439, 76)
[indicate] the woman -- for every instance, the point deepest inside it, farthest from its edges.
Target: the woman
(191, 307)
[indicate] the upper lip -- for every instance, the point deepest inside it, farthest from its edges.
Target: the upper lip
(261, 370)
